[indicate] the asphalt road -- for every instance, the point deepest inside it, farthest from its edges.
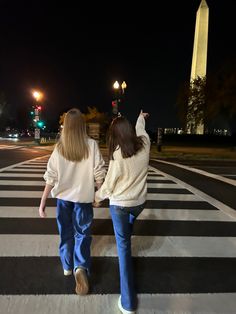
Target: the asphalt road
(184, 244)
(218, 189)
(14, 153)
(223, 167)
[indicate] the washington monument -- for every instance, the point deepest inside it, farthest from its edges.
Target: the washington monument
(199, 57)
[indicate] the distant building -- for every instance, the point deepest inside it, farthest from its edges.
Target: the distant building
(93, 130)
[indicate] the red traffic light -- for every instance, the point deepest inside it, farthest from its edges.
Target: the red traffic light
(114, 103)
(39, 107)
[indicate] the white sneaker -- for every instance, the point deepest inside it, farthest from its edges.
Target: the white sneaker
(67, 272)
(122, 309)
(81, 280)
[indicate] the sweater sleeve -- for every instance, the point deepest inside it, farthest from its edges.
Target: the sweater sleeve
(107, 187)
(51, 175)
(140, 128)
(99, 165)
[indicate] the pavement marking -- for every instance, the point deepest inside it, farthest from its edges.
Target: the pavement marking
(40, 183)
(228, 175)
(26, 170)
(21, 175)
(23, 162)
(169, 197)
(205, 173)
(163, 185)
(157, 178)
(17, 182)
(104, 213)
(10, 147)
(217, 303)
(32, 166)
(221, 206)
(105, 246)
(150, 196)
(40, 162)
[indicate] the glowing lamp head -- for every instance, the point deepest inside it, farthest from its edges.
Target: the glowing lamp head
(116, 85)
(37, 95)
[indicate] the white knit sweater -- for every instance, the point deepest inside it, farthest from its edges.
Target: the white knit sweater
(126, 180)
(74, 181)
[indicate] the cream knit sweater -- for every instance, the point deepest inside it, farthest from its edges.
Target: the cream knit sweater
(74, 181)
(126, 180)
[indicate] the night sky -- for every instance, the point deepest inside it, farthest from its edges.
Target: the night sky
(75, 58)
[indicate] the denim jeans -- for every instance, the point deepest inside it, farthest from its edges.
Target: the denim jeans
(74, 226)
(123, 219)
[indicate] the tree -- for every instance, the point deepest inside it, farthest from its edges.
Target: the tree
(7, 115)
(3, 102)
(192, 103)
(181, 103)
(62, 117)
(94, 115)
(212, 99)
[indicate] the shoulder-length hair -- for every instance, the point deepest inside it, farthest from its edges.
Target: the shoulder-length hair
(73, 142)
(121, 134)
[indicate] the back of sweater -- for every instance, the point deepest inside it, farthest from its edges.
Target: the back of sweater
(126, 180)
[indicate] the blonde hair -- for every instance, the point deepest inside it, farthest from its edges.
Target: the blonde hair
(73, 142)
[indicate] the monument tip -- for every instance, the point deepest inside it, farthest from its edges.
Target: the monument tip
(203, 4)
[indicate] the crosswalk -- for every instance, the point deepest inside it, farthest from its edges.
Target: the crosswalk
(4, 146)
(184, 249)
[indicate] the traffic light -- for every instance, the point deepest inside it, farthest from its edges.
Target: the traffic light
(114, 104)
(40, 124)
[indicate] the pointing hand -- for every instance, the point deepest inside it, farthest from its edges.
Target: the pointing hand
(144, 114)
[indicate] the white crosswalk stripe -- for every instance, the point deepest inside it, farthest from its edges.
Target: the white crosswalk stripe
(178, 230)
(3, 147)
(23, 245)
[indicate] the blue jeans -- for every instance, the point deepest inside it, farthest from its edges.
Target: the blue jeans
(74, 226)
(123, 219)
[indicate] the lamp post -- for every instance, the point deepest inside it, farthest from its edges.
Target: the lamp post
(119, 91)
(37, 110)
(159, 139)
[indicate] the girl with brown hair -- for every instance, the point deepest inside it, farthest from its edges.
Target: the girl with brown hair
(125, 186)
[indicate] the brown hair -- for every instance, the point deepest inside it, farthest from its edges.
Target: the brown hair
(73, 142)
(122, 135)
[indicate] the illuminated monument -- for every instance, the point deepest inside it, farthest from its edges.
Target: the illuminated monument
(199, 58)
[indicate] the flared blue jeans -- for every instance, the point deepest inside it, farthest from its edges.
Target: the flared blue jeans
(74, 225)
(123, 219)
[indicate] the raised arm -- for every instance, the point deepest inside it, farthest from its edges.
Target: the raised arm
(140, 125)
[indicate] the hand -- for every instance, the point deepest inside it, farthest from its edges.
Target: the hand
(144, 114)
(98, 185)
(96, 204)
(42, 208)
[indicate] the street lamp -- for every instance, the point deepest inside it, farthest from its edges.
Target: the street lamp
(123, 87)
(37, 95)
(119, 91)
(37, 111)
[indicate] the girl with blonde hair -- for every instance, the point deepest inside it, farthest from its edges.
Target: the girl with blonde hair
(73, 169)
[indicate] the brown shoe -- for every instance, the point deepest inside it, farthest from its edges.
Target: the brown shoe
(81, 279)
